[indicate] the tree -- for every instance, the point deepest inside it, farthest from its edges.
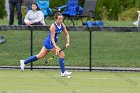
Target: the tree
(110, 9)
(2, 9)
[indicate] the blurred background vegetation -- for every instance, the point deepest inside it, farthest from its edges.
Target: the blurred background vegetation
(2, 9)
(118, 10)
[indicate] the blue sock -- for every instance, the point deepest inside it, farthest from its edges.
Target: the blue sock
(62, 65)
(30, 59)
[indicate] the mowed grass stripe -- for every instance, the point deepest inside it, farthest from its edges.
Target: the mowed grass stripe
(13, 81)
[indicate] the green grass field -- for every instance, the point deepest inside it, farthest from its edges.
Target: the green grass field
(49, 81)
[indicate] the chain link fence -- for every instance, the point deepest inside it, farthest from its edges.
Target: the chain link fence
(109, 49)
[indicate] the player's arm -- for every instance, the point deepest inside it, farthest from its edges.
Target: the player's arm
(67, 36)
(52, 31)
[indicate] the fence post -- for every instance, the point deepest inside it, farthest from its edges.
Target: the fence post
(90, 49)
(31, 47)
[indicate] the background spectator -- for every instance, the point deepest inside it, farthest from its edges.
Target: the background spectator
(28, 4)
(12, 5)
(34, 16)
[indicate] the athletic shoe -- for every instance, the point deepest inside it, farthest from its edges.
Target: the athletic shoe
(66, 73)
(22, 65)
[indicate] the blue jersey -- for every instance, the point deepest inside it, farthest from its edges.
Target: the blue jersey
(48, 43)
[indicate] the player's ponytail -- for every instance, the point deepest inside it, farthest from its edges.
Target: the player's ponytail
(57, 14)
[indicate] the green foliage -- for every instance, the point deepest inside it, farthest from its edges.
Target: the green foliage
(113, 9)
(23, 10)
(129, 15)
(126, 4)
(2, 9)
(57, 3)
(137, 3)
(81, 2)
(107, 9)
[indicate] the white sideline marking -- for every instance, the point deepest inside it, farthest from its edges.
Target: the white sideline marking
(95, 78)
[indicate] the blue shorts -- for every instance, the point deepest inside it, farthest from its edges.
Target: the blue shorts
(48, 45)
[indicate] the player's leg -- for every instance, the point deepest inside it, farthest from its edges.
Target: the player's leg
(11, 16)
(62, 63)
(41, 54)
(19, 13)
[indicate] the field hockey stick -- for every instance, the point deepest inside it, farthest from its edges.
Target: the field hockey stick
(51, 58)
